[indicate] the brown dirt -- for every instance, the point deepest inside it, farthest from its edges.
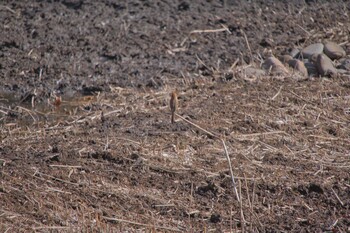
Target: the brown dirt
(107, 158)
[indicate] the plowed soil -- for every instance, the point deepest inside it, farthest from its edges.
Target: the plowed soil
(107, 158)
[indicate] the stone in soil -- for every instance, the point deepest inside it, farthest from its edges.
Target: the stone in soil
(274, 65)
(298, 66)
(311, 68)
(294, 53)
(334, 51)
(286, 58)
(312, 49)
(345, 64)
(325, 66)
(313, 58)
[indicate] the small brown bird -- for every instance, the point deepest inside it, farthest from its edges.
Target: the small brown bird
(57, 102)
(173, 105)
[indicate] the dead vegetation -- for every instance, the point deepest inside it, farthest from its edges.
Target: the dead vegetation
(245, 154)
(288, 142)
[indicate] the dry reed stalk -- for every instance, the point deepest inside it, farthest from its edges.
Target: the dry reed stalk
(8, 8)
(336, 195)
(212, 30)
(54, 178)
(241, 207)
(226, 153)
(248, 46)
(64, 166)
(51, 228)
(173, 105)
(231, 172)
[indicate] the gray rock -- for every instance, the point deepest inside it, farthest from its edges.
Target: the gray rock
(311, 68)
(286, 58)
(274, 65)
(294, 53)
(305, 60)
(313, 57)
(311, 49)
(345, 64)
(325, 66)
(298, 66)
(334, 51)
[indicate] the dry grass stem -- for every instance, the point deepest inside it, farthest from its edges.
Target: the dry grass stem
(197, 126)
(231, 172)
(8, 8)
(248, 46)
(141, 224)
(64, 166)
(211, 30)
(277, 94)
(336, 195)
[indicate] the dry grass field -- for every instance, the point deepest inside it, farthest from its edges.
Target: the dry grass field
(107, 157)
